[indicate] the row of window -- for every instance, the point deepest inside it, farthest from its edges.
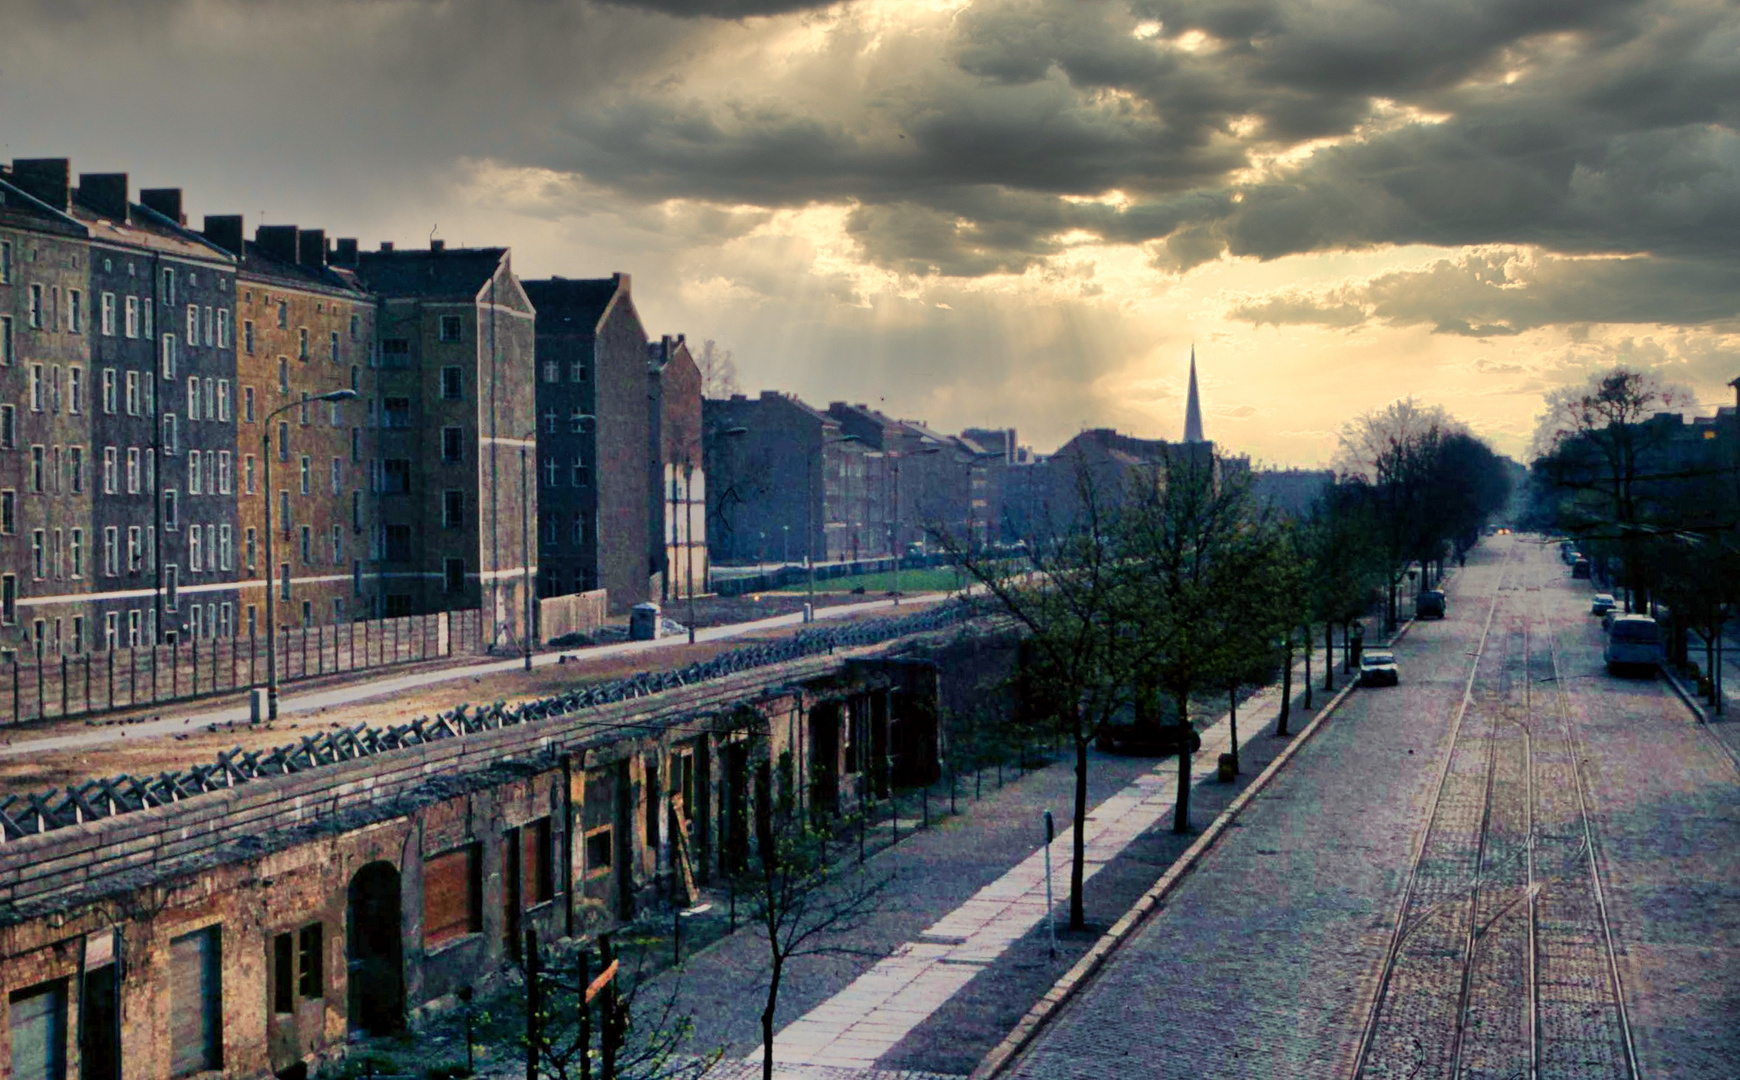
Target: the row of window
(553, 371)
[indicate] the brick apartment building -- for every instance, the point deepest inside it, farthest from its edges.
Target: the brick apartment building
(761, 479)
(455, 428)
(593, 440)
(679, 476)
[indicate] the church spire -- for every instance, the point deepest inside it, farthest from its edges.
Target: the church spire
(1193, 408)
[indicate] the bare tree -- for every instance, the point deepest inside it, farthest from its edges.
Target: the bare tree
(800, 904)
(718, 371)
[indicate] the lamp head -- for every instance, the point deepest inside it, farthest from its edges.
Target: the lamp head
(337, 395)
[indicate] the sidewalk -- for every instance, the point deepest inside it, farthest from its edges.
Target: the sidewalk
(963, 939)
(375, 688)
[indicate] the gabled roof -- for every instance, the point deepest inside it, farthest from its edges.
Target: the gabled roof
(576, 304)
(258, 264)
(20, 209)
(447, 274)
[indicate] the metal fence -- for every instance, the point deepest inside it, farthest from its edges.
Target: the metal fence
(91, 683)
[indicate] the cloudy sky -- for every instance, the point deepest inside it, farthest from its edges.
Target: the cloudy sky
(1004, 212)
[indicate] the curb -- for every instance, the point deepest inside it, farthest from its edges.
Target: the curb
(1003, 1054)
(1685, 695)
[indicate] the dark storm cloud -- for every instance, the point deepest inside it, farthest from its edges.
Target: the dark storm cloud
(723, 9)
(1499, 293)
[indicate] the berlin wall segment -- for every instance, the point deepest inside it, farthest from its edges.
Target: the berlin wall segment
(253, 928)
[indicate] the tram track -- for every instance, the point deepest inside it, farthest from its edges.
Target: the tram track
(1501, 962)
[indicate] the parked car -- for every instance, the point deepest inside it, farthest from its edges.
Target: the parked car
(1633, 643)
(1607, 619)
(1377, 667)
(1580, 568)
(1144, 740)
(1602, 603)
(1430, 604)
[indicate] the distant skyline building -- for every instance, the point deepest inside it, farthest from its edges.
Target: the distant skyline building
(1193, 407)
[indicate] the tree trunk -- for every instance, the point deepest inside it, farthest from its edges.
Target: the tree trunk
(1328, 656)
(1181, 813)
(1306, 643)
(1232, 717)
(1391, 614)
(1078, 834)
(767, 1020)
(1286, 685)
(1347, 645)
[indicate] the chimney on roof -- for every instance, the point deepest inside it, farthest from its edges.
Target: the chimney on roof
(437, 246)
(311, 248)
(622, 281)
(225, 230)
(278, 241)
(345, 253)
(166, 201)
(105, 193)
(48, 179)
(386, 245)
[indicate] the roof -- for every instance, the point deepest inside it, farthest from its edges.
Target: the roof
(580, 302)
(446, 274)
(258, 264)
(20, 209)
(149, 229)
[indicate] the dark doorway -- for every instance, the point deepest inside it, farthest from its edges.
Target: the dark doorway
(825, 760)
(100, 1027)
(373, 943)
(511, 901)
(734, 808)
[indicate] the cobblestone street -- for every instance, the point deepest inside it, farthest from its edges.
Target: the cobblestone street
(1513, 864)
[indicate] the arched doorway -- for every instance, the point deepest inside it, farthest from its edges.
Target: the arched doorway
(373, 947)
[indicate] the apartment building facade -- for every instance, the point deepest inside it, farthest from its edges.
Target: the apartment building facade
(678, 476)
(453, 413)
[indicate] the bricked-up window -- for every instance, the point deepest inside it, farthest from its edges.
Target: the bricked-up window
(598, 851)
(396, 476)
(452, 384)
(537, 862)
(450, 328)
(36, 1018)
(452, 509)
(452, 444)
(310, 961)
(454, 574)
(284, 973)
(452, 895)
(196, 1003)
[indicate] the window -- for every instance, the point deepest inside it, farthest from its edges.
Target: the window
(395, 352)
(452, 383)
(337, 545)
(284, 581)
(307, 472)
(192, 398)
(537, 862)
(206, 326)
(108, 391)
(552, 371)
(337, 476)
(223, 327)
(196, 1002)
(38, 554)
(193, 324)
(550, 472)
(307, 546)
(453, 509)
(552, 529)
(598, 851)
(195, 551)
(109, 465)
(75, 311)
(132, 393)
(131, 326)
(195, 473)
(452, 895)
(453, 574)
(9, 599)
(355, 446)
(36, 470)
(576, 421)
(36, 388)
(283, 374)
(8, 427)
(169, 512)
(169, 356)
(249, 546)
(172, 586)
(355, 327)
(248, 474)
(106, 314)
(75, 389)
(5, 262)
(132, 469)
(283, 973)
(450, 328)
(133, 628)
(169, 440)
(6, 350)
(111, 550)
(334, 342)
(581, 475)
(77, 550)
(302, 343)
(579, 529)
(311, 966)
(283, 315)
(452, 444)
(396, 412)
(577, 371)
(37, 1023)
(248, 404)
(135, 553)
(8, 512)
(75, 469)
(302, 412)
(356, 577)
(168, 286)
(35, 312)
(226, 547)
(284, 441)
(356, 510)
(396, 476)
(248, 336)
(223, 400)
(284, 512)
(397, 543)
(221, 481)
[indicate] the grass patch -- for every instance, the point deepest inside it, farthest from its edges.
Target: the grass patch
(930, 579)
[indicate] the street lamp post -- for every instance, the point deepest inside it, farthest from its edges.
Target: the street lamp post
(809, 519)
(271, 564)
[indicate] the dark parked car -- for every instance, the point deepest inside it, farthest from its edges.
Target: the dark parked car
(1144, 740)
(1580, 568)
(1430, 604)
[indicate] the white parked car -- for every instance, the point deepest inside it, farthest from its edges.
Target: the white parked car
(1634, 642)
(1377, 667)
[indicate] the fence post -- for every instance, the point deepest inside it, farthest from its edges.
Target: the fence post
(16, 716)
(111, 655)
(63, 684)
(175, 669)
(194, 646)
(87, 682)
(41, 709)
